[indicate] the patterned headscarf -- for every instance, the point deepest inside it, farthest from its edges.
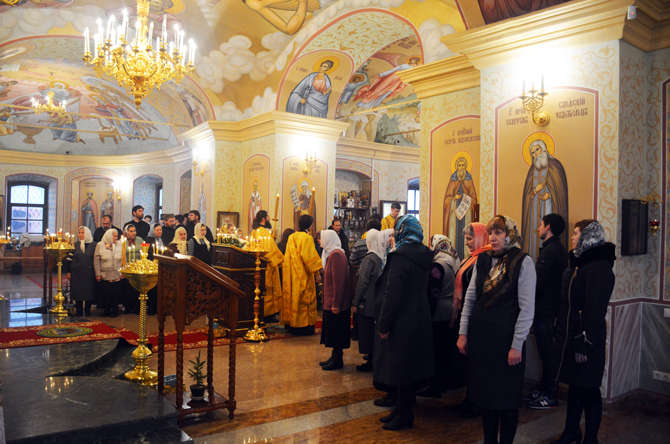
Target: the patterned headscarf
(408, 230)
(513, 238)
(591, 236)
(441, 244)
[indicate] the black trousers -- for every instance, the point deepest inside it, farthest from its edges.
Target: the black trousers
(500, 426)
(110, 295)
(546, 348)
(588, 401)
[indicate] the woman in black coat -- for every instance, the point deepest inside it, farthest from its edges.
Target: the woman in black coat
(80, 272)
(199, 245)
(587, 286)
(403, 357)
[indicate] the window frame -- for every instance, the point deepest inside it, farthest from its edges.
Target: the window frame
(44, 206)
(413, 190)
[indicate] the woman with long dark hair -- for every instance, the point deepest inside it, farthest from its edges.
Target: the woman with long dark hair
(587, 287)
(497, 315)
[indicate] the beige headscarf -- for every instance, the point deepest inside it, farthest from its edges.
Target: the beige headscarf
(196, 234)
(88, 238)
(181, 244)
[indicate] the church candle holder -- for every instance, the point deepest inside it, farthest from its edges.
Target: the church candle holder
(143, 276)
(59, 246)
(257, 334)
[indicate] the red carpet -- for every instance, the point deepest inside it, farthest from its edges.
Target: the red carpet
(28, 336)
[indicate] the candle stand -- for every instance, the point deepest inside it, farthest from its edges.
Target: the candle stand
(59, 247)
(256, 334)
(143, 276)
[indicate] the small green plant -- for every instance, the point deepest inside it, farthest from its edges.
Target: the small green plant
(196, 370)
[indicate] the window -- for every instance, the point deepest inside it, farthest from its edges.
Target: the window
(27, 208)
(159, 202)
(413, 197)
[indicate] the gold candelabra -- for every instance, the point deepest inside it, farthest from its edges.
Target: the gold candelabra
(143, 276)
(136, 64)
(259, 246)
(534, 101)
(59, 246)
(310, 163)
(51, 108)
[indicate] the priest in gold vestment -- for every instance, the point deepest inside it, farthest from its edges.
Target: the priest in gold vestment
(301, 262)
(273, 291)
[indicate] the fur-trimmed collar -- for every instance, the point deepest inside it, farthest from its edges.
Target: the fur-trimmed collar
(603, 252)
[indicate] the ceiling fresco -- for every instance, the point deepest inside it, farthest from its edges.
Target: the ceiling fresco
(244, 51)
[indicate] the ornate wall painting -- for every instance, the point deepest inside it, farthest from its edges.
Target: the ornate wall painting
(453, 192)
(255, 189)
(102, 118)
(96, 197)
(313, 83)
(304, 192)
(376, 83)
(550, 169)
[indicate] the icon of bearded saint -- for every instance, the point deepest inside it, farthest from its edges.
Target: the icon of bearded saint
(460, 201)
(545, 191)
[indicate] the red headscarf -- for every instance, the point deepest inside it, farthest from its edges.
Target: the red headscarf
(481, 244)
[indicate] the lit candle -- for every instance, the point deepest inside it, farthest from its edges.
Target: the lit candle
(542, 83)
(110, 24)
(137, 33)
(523, 89)
(164, 30)
(151, 33)
(124, 25)
(276, 205)
(87, 49)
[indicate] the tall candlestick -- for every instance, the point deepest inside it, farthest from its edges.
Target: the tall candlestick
(276, 205)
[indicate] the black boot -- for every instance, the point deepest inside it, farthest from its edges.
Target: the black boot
(490, 423)
(593, 412)
(571, 433)
(509, 419)
(337, 362)
(404, 414)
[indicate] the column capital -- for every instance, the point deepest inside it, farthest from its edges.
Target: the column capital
(441, 77)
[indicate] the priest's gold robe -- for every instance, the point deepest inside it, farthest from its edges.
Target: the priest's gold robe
(301, 261)
(273, 292)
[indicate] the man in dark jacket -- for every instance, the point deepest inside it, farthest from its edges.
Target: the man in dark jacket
(336, 226)
(550, 264)
(142, 228)
(106, 225)
(192, 220)
(405, 336)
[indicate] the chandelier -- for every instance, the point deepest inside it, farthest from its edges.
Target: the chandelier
(136, 64)
(50, 107)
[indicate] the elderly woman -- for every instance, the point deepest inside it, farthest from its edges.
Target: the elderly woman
(441, 296)
(497, 315)
(587, 287)
(199, 246)
(336, 299)
(80, 271)
(107, 262)
(179, 243)
(404, 345)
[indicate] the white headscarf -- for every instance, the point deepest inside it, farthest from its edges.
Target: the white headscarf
(88, 238)
(373, 241)
(330, 242)
(196, 234)
(181, 244)
(108, 241)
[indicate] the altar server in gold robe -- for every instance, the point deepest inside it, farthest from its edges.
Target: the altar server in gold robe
(272, 303)
(300, 269)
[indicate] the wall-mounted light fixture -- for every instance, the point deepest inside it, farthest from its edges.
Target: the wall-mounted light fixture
(654, 202)
(310, 162)
(200, 154)
(533, 100)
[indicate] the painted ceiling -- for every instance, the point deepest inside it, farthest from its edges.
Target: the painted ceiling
(245, 49)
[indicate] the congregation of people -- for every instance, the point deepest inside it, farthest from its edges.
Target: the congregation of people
(426, 321)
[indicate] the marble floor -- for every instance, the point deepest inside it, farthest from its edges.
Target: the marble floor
(283, 396)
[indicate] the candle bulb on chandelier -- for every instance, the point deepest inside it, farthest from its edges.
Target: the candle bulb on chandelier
(86, 37)
(110, 25)
(164, 31)
(124, 25)
(151, 33)
(542, 83)
(137, 33)
(523, 88)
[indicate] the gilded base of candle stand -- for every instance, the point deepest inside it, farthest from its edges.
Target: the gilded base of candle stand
(59, 249)
(257, 334)
(143, 276)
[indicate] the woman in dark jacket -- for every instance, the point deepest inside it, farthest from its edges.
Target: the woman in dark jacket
(497, 315)
(404, 344)
(80, 271)
(364, 299)
(587, 286)
(199, 246)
